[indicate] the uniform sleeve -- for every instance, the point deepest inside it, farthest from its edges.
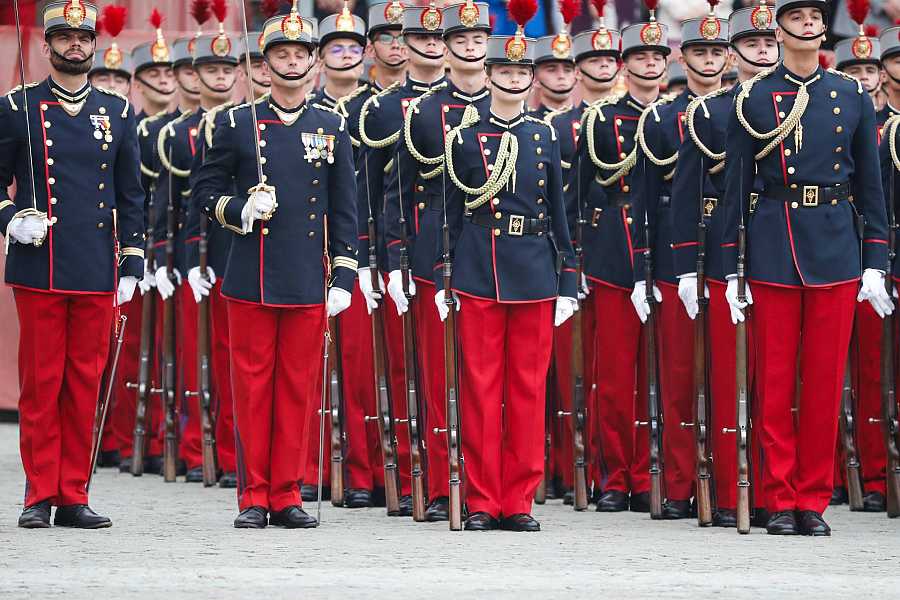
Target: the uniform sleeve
(868, 194)
(568, 283)
(685, 201)
(9, 151)
(342, 225)
(213, 188)
(740, 169)
(130, 202)
(646, 182)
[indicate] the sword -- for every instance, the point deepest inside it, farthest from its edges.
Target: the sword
(33, 211)
(261, 186)
(103, 409)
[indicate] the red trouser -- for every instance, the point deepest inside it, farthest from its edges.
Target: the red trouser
(619, 357)
(588, 339)
(191, 437)
(275, 381)
(723, 389)
(505, 351)
(866, 361)
(63, 345)
(814, 324)
(362, 450)
(562, 459)
(676, 380)
(125, 399)
(431, 375)
(393, 333)
(221, 377)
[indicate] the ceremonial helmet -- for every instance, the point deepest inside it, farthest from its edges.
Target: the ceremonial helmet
(597, 42)
(705, 31)
(889, 42)
(865, 47)
(342, 25)
(651, 35)
(61, 15)
(423, 19)
(751, 21)
(290, 29)
(385, 16)
(215, 47)
(110, 58)
(559, 47)
(514, 49)
(152, 54)
(466, 16)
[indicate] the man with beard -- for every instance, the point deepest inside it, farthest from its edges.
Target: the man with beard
(808, 247)
(752, 35)
(75, 251)
(704, 55)
(278, 290)
(601, 182)
(416, 181)
(215, 64)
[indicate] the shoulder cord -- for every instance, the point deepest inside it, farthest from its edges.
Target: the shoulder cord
(620, 168)
(504, 165)
(659, 162)
(363, 136)
(470, 116)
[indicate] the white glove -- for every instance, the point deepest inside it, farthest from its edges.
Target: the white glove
(639, 299)
(687, 291)
(737, 308)
(873, 290)
(148, 280)
(163, 285)
(371, 295)
(199, 285)
(260, 204)
(396, 291)
(126, 289)
(443, 311)
(565, 308)
(584, 291)
(28, 229)
(338, 301)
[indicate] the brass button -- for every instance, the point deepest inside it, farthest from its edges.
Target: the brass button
(320, 131)
(53, 220)
(315, 182)
(312, 216)
(490, 167)
(53, 200)
(787, 151)
(51, 180)
(833, 94)
(496, 201)
(265, 178)
(837, 110)
(540, 166)
(834, 202)
(101, 205)
(621, 138)
(794, 205)
(839, 149)
(44, 107)
(50, 161)
(487, 151)
(837, 167)
(104, 147)
(262, 160)
(446, 108)
(622, 155)
(446, 127)
(100, 225)
(540, 183)
(103, 167)
(538, 151)
(496, 232)
(262, 143)
(626, 206)
(420, 188)
(778, 98)
(47, 124)
(102, 110)
(498, 215)
(318, 164)
(838, 129)
(540, 215)
(793, 186)
(626, 188)
(791, 170)
(537, 137)
(311, 234)
(483, 139)
(262, 126)
(101, 186)
(421, 206)
(265, 231)
(629, 220)
(619, 122)
(405, 103)
(49, 143)
(540, 200)
(313, 200)
(781, 115)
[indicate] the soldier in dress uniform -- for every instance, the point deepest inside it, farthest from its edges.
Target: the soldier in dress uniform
(286, 258)
(260, 82)
(112, 67)
(417, 182)
(554, 71)
(379, 125)
(215, 63)
(890, 72)
(185, 76)
(860, 56)
(506, 217)
(807, 248)
(386, 49)
(752, 35)
(342, 39)
(704, 56)
(74, 233)
(601, 182)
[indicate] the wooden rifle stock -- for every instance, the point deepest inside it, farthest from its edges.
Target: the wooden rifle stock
(170, 440)
(451, 374)
(385, 417)
(743, 404)
(144, 385)
(848, 437)
(701, 398)
(207, 423)
(336, 414)
(889, 420)
(106, 397)
(654, 422)
(578, 415)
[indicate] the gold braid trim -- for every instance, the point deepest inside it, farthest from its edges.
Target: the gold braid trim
(124, 114)
(504, 165)
(891, 128)
(407, 133)
(621, 168)
(659, 162)
(363, 136)
(18, 88)
(166, 132)
(689, 117)
(848, 77)
(208, 121)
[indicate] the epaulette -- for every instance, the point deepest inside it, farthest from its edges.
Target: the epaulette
(890, 130)
(103, 90)
(208, 121)
(142, 126)
(18, 88)
(167, 132)
(545, 124)
(848, 77)
(690, 113)
(330, 111)
(548, 118)
(373, 100)
(595, 107)
(412, 110)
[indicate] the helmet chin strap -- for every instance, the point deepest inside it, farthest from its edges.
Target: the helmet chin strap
(801, 37)
(512, 91)
(152, 87)
(761, 65)
(339, 69)
(645, 78)
(562, 91)
(705, 75)
(211, 88)
(397, 65)
(309, 67)
(468, 60)
(423, 54)
(265, 84)
(609, 79)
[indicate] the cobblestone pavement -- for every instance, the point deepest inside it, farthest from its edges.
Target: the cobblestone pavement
(176, 541)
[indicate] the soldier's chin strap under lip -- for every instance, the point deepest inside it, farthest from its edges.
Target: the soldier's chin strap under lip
(803, 37)
(468, 60)
(211, 88)
(265, 84)
(397, 65)
(761, 65)
(153, 87)
(563, 91)
(706, 75)
(347, 68)
(425, 54)
(645, 78)
(312, 63)
(609, 79)
(512, 91)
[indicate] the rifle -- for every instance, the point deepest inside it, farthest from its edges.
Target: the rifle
(743, 407)
(385, 417)
(451, 374)
(847, 424)
(540, 494)
(103, 408)
(336, 411)
(655, 419)
(411, 374)
(701, 399)
(889, 419)
(144, 384)
(170, 443)
(207, 423)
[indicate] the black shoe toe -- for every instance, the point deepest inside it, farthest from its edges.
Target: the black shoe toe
(812, 523)
(481, 521)
(839, 496)
(406, 506)
(357, 498)
(438, 510)
(725, 517)
(874, 502)
(292, 517)
(153, 465)
(108, 458)
(677, 509)
(520, 522)
(782, 523)
(228, 480)
(612, 501)
(640, 502)
(80, 516)
(194, 475)
(251, 518)
(36, 516)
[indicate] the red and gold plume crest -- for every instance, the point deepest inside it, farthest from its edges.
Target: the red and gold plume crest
(159, 51)
(113, 19)
(521, 12)
(862, 46)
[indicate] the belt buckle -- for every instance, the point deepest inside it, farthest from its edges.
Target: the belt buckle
(516, 225)
(709, 205)
(754, 199)
(595, 218)
(810, 195)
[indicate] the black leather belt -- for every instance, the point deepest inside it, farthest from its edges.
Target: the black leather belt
(809, 196)
(516, 225)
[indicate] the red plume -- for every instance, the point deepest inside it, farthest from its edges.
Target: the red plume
(824, 61)
(98, 26)
(858, 10)
(156, 19)
(270, 8)
(712, 4)
(200, 11)
(569, 9)
(220, 9)
(600, 6)
(114, 19)
(651, 4)
(522, 11)
(872, 31)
